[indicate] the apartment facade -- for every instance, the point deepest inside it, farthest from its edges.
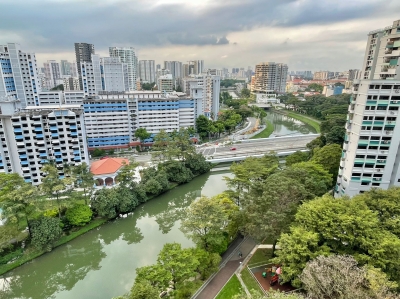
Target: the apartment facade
(127, 56)
(112, 118)
(91, 76)
(270, 76)
(19, 75)
(52, 72)
(83, 53)
(147, 71)
(32, 136)
(165, 83)
(370, 157)
(114, 74)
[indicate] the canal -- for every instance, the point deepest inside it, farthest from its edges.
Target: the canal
(286, 126)
(102, 263)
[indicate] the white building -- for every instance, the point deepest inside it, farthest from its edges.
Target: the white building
(114, 74)
(147, 71)
(32, 136)
(52, 72)
(19, 75)
(206, 88)
(165, 83)
(91, 76)
(267, 98)
(270, 76)
(112, 118)
(128, 56)
(370, 155)
(51, 98)
(71, 83)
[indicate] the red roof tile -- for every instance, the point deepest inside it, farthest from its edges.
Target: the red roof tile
(109, 165)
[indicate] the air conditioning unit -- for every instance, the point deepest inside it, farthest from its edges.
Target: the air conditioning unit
(378, 170)
(381, 161)
(378, 179)
(385, 141)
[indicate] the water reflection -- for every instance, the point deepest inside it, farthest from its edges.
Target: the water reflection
(284, 125)
(102, 263)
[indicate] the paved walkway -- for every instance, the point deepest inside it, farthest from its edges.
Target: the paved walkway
(230, 262)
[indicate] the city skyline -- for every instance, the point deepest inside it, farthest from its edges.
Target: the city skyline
(305, 35)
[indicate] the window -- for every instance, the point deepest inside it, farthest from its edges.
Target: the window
(364, 137)
(379, 118)
(356, 174)
(369, 165)
(377, 128)
(375, 138)
(365, 183)
(381, 108)
(373, 147)
(376, 184)
(386, 86)
(384, 98)
(367, 175)
(362, 146)
(371, 156)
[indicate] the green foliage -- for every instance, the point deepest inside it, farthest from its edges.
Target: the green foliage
(11, 256)
(79, 215)
(148, 86)
(245, 93)
(45, 232)
(336, 135)
(338, 226)
(7, 233)
(177, 172)
(142, 134)
(316, 143)
(315, 87)
(230, 82)
(296, 157)
(205, 229)
(98, 153)
(329, 157)
(84, 179)
(208, 262)
(58, 87)
(152, 187)
(203, 125)
(179, 262)
(104, 203)
(156, 275)
(143, 290)
(186, 289)
(197, 164)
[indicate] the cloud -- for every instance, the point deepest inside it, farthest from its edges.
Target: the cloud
(50, 27)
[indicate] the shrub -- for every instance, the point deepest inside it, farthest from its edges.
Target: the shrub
(79, 215)
(44, 232)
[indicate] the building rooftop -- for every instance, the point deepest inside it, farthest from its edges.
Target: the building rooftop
(107, 165)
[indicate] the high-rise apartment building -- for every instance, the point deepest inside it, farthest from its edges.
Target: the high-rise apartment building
(68, 68)
(147, 71)
(127, 56)
(370, 156)
(19, 75)
(52, 72)
(175, 68)
(114, 74)
(83, 53)
(32, 136)
(71, 83)
(90, 72)
(165, 83)
(270, 76)
(196, 67)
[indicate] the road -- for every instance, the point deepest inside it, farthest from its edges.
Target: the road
(257, 146)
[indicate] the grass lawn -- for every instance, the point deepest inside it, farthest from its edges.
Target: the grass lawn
(306, 119)
(260, 256)
(231, 289)
(250, 282)
(266, 132)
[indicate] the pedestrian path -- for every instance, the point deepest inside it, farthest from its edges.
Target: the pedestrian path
(231, 260)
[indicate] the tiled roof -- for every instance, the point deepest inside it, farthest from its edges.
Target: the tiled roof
(108, 165)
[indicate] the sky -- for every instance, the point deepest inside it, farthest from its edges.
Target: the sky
(306, 34)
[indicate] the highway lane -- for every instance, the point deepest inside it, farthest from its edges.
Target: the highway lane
(257, 146)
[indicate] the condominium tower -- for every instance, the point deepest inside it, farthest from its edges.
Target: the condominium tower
(83, 53)
(127, 56)
(370, 156)
(147, 71)
(270, 76)
(18, 75)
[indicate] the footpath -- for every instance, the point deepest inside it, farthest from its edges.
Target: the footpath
(229, 264)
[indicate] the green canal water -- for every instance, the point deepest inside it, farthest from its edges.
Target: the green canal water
(102, 263)
(285, 126)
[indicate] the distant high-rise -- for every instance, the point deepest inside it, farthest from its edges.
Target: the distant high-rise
(175, 68)
(370, 156)
(52, 72)
(91, 76)
(114, 74)
(196, 67)
(19, 75)
(83, 53)
(270, 76)
(127, 56)
(147, 71)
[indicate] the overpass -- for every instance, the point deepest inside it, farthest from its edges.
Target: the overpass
(283, 146)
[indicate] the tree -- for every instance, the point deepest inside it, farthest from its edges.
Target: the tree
(143, 290)
(84, 179)
(179, 262)
(177, 172)
(248, 172)
(316, 144)
(336, 135)
(98, 152)
(44, 232)
(197, 164)
(7, 233)
(54, 185)
(8, 181)
(329, 158)
(148, 86)
(316, 87)
(208, 262)
(79, 215)
(271, 295)
(245, 93)
(315, 179)
(356, 231)
(58, 87)
(160, 147)
(340, 277)
(142, 134)
(297, 248)
(156, 275)
(203, 125)
(272, 212)
(205, 229)
(152, 187)
(104, 203)
(296, 157)
(19, 201)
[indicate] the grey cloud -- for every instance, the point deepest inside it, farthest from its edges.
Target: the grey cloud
(223, 41)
